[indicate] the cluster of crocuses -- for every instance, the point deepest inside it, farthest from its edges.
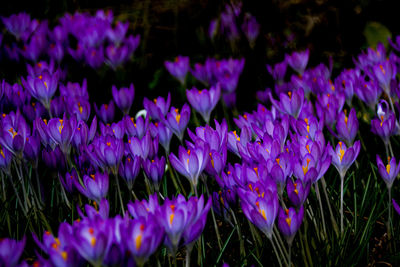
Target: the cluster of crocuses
(278, 155)
(221, 74)
(100, 240)
(227, 24)
(94, 40)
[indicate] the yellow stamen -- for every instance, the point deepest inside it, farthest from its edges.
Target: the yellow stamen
(64, 255)
(382, 69)
(256, 170)
(341, 151)
(288, 221)
(388, 166)
(305, 168)
(171, 218)
(61, 126)
(93, 241)
(138, 241)
(237, 137)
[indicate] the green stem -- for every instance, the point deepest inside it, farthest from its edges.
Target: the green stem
(321, 208)
(282, 249)
(276, 252)
(242, 250)
(17, 195)
(389, 222)
(214, 221)
(341, 203)
(119, 193)
(333, 220)
(21, 179)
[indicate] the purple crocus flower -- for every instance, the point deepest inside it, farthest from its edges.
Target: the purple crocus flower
(61, 132)
(347, 126)
(227, 73)
(14, 131)
(106, 152)
(105, 112)
(68, 180)
(94, 56)
(309, 127)
(96, 186)
(20, 25)
(92, 240)
(177, 121)
(100, 211)
(75, 90)
(260, 205)
(290, 103)
(203, 72)
(144, 147)
(56, 51)
(60, 249)
(164, 134)
(328, 106)
(191, 162)
(178, 216)
(199, 217)
(385, 125)
(33, 110)
(297, 192)
(116, 55)
(251, 28)
(144, 208)
(278, 72)
(129, 170)
(157, 108)
(343, 156)
(178, 68)
(388, 172)
(10, 251)
(235, 141)
(298, 61)
(123, 97)
(79, 107)
(281, 170)
(84, 135)
(5, 159)
(117, 34)
(144, 235)
(15, 95)
(154, 170)
(54, 158)
(136, 127)
(369, 92)
(204, 101)
(384, 72)
(32, 149)
(289, 222)
(39, 67)
(42, 87)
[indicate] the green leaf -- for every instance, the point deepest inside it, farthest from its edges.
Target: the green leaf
(376, 33)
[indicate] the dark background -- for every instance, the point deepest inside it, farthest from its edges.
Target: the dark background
(168, 28)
